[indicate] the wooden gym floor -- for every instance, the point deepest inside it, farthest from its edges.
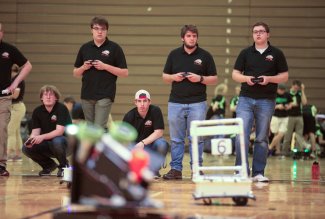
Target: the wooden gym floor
(290, 194)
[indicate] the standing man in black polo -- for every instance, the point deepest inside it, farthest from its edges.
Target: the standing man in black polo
(148, 120)
(259, 68)
(10, 55)
(47, 139)
(99, 62)
(189, 69)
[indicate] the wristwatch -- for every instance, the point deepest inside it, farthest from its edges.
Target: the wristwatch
(201, 79)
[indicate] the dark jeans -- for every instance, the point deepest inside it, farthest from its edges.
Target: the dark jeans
(44, 152)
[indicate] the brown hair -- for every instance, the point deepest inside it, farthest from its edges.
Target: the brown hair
(189, 27)
(101, 21)
(266, 27)
(50, 88)
(296, 82)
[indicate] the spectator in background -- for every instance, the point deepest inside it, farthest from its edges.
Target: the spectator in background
(295, 122)
(18, 110)
(99, 62)
(217, 108)
(259, 68)
(320, 133)
(148, 120)
(234, 102)
(309, 116)
(75, 109)
(47, 139)
(279, 122)
(10, 55)
(189, 69)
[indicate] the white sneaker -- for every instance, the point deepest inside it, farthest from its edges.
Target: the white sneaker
(260, 178)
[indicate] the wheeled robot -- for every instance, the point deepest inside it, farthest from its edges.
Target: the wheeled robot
(220, 181)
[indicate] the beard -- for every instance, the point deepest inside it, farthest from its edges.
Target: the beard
(189, 46)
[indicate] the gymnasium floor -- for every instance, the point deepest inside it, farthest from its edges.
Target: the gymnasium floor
(290, 194)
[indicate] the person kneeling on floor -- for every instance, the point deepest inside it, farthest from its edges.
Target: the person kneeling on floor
(47, 139)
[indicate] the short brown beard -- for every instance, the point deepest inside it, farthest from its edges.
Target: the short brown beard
(190, 47)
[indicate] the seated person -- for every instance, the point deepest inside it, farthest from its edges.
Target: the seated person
(148, 120)
(47, 139)
(216, 110)
(309, 116)
(75, 109)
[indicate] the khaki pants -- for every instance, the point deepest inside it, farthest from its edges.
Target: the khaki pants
(295, 124)
(15, 142)
(97, 111)
(5, 104)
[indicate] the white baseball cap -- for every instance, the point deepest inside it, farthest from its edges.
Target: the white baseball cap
(142, 94)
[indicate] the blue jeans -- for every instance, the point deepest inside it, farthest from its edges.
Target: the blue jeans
(180, 117)
(160, 146)
(260, 111)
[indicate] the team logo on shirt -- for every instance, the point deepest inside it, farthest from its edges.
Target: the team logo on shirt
(54, 118)
(269, 58)
(198, 62)
(105, 53)
(148, 123)
(5, 55)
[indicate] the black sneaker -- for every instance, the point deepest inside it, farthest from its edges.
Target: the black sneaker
(173, 174)
(60, 172)
(47, 171)
(3, 171)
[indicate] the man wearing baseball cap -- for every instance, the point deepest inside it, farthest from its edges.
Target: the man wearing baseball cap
(148, 120)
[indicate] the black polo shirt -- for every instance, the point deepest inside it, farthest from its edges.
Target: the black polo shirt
(145, 127)
(296, 99)
(252, 63)
(283, 99)
(99, 84)
(47, 121)
(9, 55)
(199, 62)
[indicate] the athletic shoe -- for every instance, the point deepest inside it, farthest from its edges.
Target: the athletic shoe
(260, 178)
(47, 171)
(61, 171)
(3, 171)
(173, 174)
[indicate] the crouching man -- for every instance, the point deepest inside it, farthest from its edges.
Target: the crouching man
(148, 120)
(47, 139)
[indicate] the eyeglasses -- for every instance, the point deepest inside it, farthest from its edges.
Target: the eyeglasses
(99, 29)
(259, 31)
